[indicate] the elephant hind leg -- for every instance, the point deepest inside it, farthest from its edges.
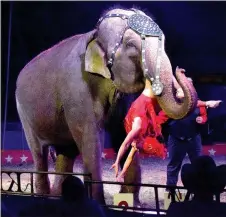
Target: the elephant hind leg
(40, 157)
(39, 153)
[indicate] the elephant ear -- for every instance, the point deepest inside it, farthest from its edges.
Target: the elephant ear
(95, 60)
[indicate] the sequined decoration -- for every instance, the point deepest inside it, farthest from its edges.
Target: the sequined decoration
(157, 86)
(144, 25)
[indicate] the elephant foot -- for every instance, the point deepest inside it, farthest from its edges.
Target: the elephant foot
(99, 198)
(137, 203)
(56, 190)
(42, 188)
(42, 191)
(98, 193)
(42, 184)
(57, 186)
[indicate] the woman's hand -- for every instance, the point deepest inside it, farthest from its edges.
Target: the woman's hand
(115, 166)
(120, 178)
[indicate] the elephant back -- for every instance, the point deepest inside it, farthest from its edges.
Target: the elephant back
(59, 53)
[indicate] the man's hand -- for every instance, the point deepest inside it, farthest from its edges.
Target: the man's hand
(213, 103)
(199, 119)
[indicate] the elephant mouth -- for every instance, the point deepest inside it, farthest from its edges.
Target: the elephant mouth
(145, 27)
(128, 88)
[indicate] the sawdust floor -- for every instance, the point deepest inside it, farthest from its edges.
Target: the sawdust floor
(153, 172)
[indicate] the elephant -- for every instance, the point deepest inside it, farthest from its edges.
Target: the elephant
(64, 95)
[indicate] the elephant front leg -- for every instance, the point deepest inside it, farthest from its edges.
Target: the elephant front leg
(92, 149)
(64, 163)
(133, 175)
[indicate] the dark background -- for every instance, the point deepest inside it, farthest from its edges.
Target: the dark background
(195, 40)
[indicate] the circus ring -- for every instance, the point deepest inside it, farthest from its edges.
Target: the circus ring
(19, 179)
(15, 156)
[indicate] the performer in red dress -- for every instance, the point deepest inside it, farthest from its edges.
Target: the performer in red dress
(143, 129)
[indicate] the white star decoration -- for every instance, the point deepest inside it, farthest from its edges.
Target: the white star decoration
(23, 158)
(212, 152)
(9, 159)
(103, 155)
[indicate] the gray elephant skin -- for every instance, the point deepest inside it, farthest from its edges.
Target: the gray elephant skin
(63, 97)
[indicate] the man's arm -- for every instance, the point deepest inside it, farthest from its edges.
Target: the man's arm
(201, 103)
(209, 104)
(202, 119)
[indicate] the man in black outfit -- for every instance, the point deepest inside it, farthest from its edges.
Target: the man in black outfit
(184, 138)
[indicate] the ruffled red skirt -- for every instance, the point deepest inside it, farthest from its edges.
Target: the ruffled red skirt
(152, 147)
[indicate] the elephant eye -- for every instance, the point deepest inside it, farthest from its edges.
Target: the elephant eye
(131, 48)
(130, 44)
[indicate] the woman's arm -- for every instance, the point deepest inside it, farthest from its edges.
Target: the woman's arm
(129, 138)
(128, 162)
(136, 127)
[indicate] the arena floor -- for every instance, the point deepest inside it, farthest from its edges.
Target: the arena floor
(153, 172)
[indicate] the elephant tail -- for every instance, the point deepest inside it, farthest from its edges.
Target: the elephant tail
(52, 153)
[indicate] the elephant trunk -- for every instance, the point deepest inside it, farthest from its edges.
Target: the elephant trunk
(172, 106)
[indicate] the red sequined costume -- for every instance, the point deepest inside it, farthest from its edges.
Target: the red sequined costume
(146, 108)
